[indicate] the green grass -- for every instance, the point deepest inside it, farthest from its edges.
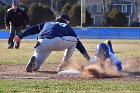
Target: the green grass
(123, 48)
(53, 86)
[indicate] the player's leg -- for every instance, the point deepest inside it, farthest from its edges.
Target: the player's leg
(48, 45)
(67, 55)
(18, 31)
(36, 61)
(38, 58)
(113, 57)
(31, 64)
(11, 37)
(70, 44)
(109, 43)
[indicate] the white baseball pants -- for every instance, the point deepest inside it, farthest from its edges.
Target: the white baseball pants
(67, 43)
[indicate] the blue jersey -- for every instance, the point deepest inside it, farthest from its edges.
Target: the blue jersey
(49, 30)
(54, 29)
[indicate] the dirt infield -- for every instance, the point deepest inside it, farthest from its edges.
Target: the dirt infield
(130, 72)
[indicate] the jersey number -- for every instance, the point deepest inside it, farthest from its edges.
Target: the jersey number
(63, 24)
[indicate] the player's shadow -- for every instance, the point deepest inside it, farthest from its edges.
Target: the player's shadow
(48, 72)
(136, 73)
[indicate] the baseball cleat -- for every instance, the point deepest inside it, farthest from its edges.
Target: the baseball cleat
(29, 67)
(62, 66)
(10, 47)
(59, 68)
(108, 42)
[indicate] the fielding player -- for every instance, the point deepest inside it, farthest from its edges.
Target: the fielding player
(53, 36)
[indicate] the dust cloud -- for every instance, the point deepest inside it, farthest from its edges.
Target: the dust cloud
(97, 69)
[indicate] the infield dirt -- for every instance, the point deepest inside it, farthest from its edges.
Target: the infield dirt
(130, 72)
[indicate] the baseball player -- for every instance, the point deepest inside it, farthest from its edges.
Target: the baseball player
(106, 50)
(53, 36)
(15, 19)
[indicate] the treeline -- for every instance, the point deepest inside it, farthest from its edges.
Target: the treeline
(42, 10)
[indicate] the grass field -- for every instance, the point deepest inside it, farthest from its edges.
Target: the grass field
(124, 49)
(53, 86)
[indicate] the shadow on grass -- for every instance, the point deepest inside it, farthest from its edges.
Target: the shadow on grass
(48, 72)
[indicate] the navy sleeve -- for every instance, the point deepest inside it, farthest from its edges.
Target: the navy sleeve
(72, 32)
(111, 49)
(82, 50)
(7, 19)
(31, 31)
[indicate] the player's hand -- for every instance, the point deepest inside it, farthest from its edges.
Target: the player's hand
(16, 39)
(119, 66)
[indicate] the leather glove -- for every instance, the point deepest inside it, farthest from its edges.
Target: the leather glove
(119, 66)
(16, 39)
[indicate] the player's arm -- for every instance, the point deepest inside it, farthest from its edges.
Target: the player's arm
(79, 45)
(116, 61)
(30, 31)
(82, 50)
(7, 20)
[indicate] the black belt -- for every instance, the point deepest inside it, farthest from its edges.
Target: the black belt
(45, 37)
(37, 44)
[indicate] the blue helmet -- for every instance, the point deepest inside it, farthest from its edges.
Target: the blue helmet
(102, 48)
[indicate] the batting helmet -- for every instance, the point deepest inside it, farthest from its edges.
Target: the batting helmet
(102, 48)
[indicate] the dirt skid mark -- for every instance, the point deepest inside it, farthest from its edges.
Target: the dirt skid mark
(102, 70)
(131, 66)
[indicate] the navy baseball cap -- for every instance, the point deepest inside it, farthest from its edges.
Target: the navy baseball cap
(65, 17)
(14, 3)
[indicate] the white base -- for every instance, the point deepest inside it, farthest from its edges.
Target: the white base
(69, 72)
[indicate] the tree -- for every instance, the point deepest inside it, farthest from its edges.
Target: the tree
(2, 13)
(28, 2)
(75, 15)
(116, 18)
(39, 13)
(60, 3)
(89, 21)
(66, 8)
